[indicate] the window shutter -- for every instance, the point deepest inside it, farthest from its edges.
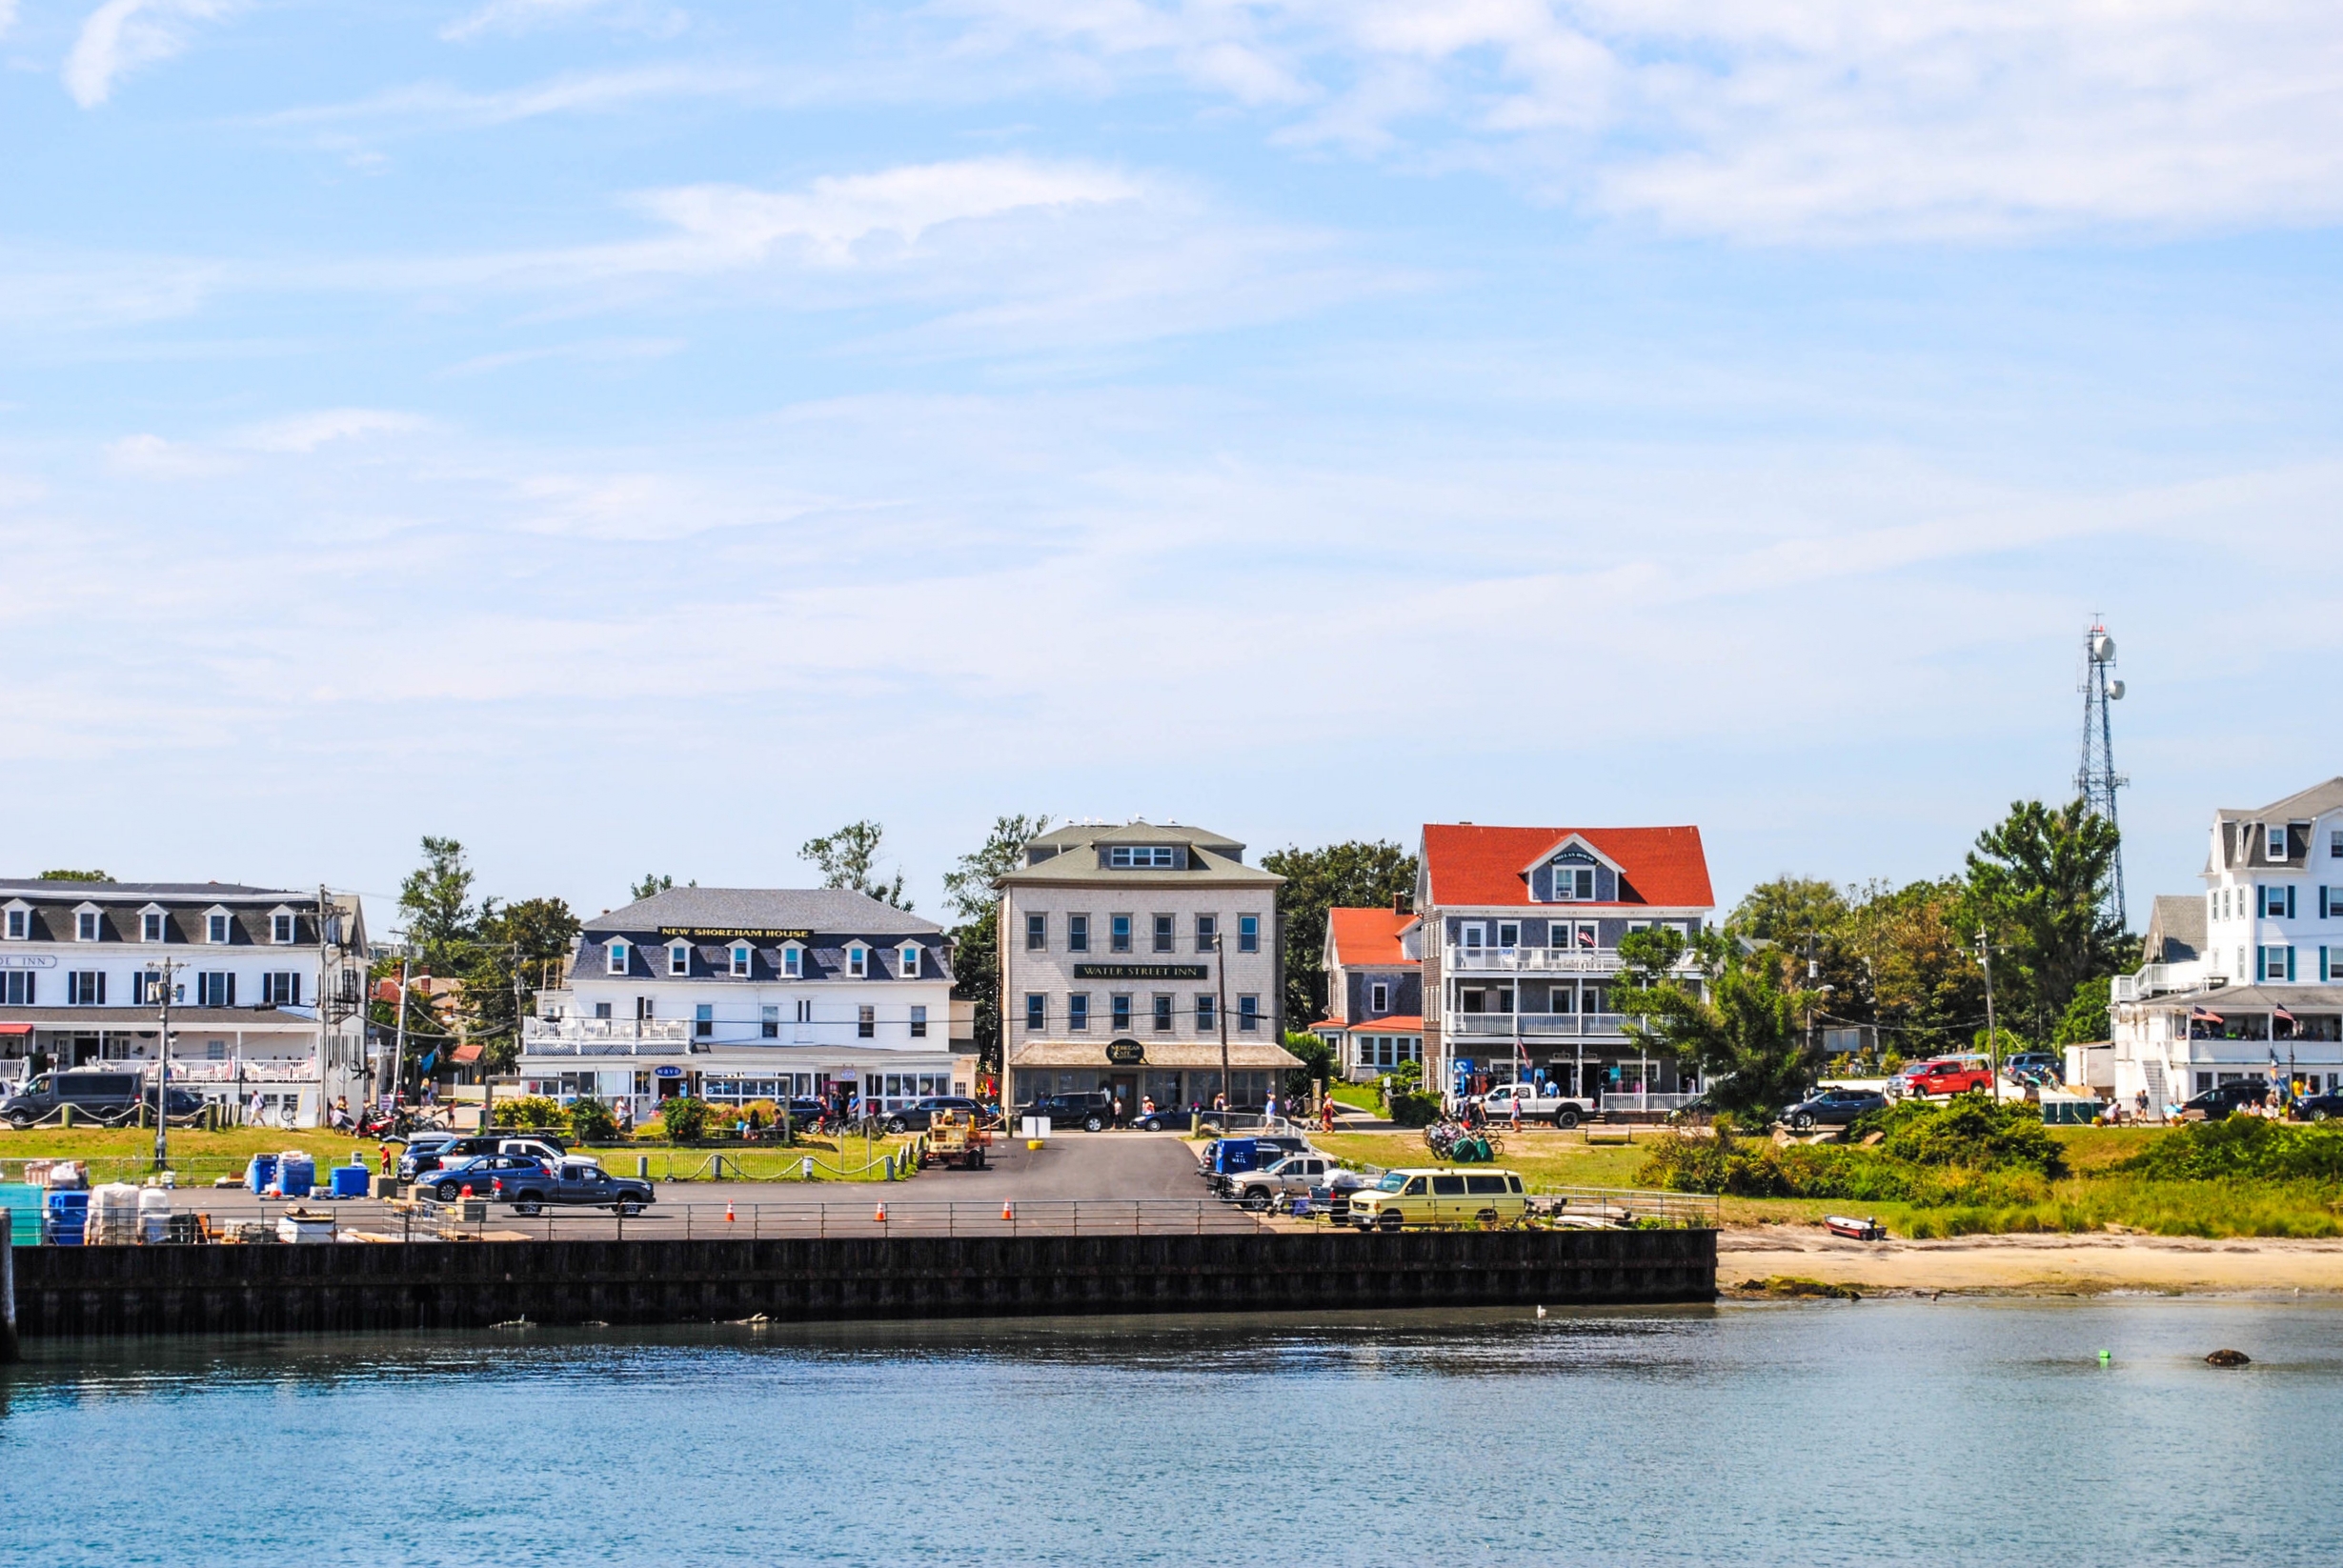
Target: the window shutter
(2290, 900)
(297, 988)
(2261, 964)
(2290, 963)
(101, 987)
(231, 978)
(31, 984)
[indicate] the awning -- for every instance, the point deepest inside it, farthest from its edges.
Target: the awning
(1167, 1056)
(15, 1028)
(463, 1056)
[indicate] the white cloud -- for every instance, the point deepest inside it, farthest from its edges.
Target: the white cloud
(308, 432)
(518, 16)
(1786, 119)
(121, 35)
(438, 106)
(7, 16)
(151, 457)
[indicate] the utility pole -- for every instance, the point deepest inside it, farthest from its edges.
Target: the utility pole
(162, 1088)
(1992, 1034)
(325, 993)
(398, 1049)
(1220, 970)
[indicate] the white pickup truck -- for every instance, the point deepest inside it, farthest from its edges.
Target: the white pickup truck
(1538, 1102)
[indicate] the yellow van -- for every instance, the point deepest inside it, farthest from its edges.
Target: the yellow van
(1439, 1196)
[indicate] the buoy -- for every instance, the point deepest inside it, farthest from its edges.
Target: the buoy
(2229, 1359)
(1540, 1312)
(728, 1213)
(880, 1218)
(1008, 1211)
(2104, 1357)
(467, 1189)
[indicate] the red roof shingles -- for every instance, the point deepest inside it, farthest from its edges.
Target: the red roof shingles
(1368, 936)
(1473, 866)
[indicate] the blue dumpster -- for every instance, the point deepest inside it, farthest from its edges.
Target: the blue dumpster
(349, 1181)
(295, 1174)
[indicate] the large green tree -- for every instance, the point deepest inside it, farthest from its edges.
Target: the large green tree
(1356, 875)
(521, 947)
(976, 941)
(1811, 920)
(849, 858)
(436, 902)
(2035, 885)
(1743, 1024)
(1927, 991)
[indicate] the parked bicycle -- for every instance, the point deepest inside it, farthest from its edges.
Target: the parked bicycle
(1454, 1143)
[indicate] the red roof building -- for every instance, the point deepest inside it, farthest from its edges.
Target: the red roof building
(1374, 991)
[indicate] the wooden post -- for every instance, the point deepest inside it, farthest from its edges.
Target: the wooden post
(8, 1348)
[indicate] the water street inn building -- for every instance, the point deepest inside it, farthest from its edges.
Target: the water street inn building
(84, 965)
(1521, 951)
(1374, 964)
(2249, 975)
(1117, 946)
(746, 994)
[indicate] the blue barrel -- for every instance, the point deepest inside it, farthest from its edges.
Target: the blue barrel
(260, 1173)
(68, 1216)
(295, 1174)
(349, 1181)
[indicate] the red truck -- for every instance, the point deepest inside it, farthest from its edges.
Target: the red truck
(1947, 1075)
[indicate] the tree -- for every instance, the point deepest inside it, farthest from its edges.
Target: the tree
(1356, 875)
(976, 941)
(1928, 993)
(848, 857)
(2084, 1020)
(1746, 1035)
(2035, 881)
(1317, 1065)
(651, 886)
(74, 877)
(519, 941)
(436, 900)
(1810, 919)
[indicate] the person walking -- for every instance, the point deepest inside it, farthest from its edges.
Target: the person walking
(1118, 1112)
(1326, 1114)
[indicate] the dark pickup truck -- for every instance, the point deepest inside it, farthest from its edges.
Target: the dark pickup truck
(577, 1182)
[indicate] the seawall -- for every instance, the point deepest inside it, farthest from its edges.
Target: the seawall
(104, 1292)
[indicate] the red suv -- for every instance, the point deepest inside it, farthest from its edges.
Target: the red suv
(1947, 1076)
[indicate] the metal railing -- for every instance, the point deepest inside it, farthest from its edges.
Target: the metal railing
(1532, 960)
(1637, 1100)
(543, 1033)
(1619, 1206)
(1504, 1025)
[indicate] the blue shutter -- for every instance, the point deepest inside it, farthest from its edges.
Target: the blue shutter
(2289, 966)
(101, 987)
(2290, 900)
(2261, 963)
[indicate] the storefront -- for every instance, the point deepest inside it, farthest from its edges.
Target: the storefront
(740, 1078)
(1181, 1075)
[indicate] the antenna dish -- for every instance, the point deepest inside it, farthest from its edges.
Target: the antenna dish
(2114, 690)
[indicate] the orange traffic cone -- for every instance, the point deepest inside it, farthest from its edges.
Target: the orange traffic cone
(1008, 1211)
(728, 1213)
(880, 1218)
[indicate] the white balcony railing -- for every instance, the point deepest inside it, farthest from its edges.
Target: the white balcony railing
(1509, 1025)
(605, 1031)
(1532, 960)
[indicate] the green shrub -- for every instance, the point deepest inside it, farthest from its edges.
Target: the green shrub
(685, 1119)
(1969, 1130)
(592, 1121)
(530, 1110)
(2242, 1146)
(1411, 1109)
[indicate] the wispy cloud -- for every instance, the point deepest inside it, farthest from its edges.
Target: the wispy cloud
(308, 432)
(443, 105)
(121, 35)
(518, 16)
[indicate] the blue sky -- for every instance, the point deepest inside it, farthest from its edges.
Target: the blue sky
(638, 436)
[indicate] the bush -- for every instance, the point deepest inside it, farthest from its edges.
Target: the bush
(1411, 1109)
(1970, 1131)
(2242, 1146)
(685, 1119)
(530, 1110)
(1969, 1152)
(592, 1121)
(756, 1113)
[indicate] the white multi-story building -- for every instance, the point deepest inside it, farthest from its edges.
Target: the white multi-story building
(1117, 946)
(746, 994)
(2249, 976)
(84, 968)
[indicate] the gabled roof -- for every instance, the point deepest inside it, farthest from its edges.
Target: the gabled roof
(2176, 928)
(1469, 866)
(1368, 938)
(1211, 858)
(829, 910)
(2302, 805)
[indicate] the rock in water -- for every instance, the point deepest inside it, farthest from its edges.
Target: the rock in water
(2229, 1359)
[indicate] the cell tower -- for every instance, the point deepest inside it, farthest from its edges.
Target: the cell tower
(2096, 780)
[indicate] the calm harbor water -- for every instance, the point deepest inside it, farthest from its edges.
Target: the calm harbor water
(1876, 1432)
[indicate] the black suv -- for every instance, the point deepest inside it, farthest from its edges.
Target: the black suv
(919, 1115)
(1089, 1111)
(2223, 1099)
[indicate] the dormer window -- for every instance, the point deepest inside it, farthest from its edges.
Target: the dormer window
(859, 961)
(1573, 884)
(151, 926)
(793, 963)
(2277, 841)
(1143, 857)
(911, 960)
(617, 957)
(85, 922)
(741, 962)
(216, 926)
(680, 959)
(280, 928)
(19, 924)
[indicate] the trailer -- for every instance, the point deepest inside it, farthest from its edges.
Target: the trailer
(953, 1138)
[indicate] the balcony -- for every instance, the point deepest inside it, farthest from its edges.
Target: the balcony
(605, 1036)
(1532, 1025)
(1532, 960)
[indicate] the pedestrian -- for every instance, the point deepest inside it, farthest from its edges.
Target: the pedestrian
(1514, 1107)
(1270, 1110)
(1325, 1114)
(1118, 1112)
(385, 1152)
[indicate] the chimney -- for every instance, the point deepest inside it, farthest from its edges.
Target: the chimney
(1400, 903)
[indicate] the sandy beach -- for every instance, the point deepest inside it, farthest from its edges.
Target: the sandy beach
(2020, 1265)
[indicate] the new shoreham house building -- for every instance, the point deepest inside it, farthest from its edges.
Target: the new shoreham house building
(736, 994)
(1128, 954)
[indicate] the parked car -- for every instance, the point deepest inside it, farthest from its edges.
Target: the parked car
(1537, 1102)
(1226, 1158)
(2224, 1099)
(575, 1181)
(1435, 1197)
(110, 1098)
(423, 1157)
(1260, 1189)
(915, 1117)
(1945, 1075)
(1697, 1112)
(1331, 1197)
(2325, 1107)
(1834, 1107)
(481, 1173)
(1175, 1117)
(2035, 1067)
(1091, 1111)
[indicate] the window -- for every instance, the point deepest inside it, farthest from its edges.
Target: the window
(1207, 1017)
(806, 1009)
(85, 925)
(2277, 903)
(793, 963)
(741, 962)
(281, 987)
(1248, 1015)
(1119, 1008)
(704, 1022)
(1587, 934)
(2277, 843)
(86, 988)
(1078, 934)
(215, 929)
(919, 1023)
(146, 988)
(1207, 933)
(1078, 1012)
(2277, 963)
(1143, 857)
(17, 924)
(1119, 933)
(1162, 1014)
(679, 959)
(2334, 845)
(602, 1010)
(1037, 934)
(617, 957)
(1474, 935)
(866, 1022)
(151, 926)
(214, 989)
(1573, 884)
(858, 962)
(2335, 903)
(769, 1023)
(1163, 934)
(1037, 1012)
(1378, 997)
(1248, 934)
(1508, 935)
(280, 930)
(911, 960)
(21, 989)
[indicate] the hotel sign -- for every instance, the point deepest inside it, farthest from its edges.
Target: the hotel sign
(730, 934)
(1141, 972)
(1126, 1054)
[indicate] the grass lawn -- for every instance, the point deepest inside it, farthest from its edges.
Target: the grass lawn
(1543, 1159)
(1358, 1096)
